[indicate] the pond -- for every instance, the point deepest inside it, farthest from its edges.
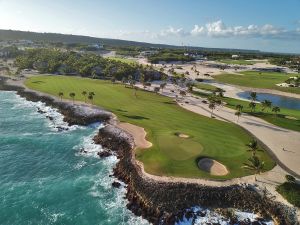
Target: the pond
(278, 100)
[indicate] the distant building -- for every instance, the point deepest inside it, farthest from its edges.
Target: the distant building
(235, 56)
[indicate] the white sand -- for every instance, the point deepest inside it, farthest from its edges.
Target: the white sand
(138, 134)
(212, 166)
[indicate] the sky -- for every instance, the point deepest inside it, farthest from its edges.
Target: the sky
(267, 25)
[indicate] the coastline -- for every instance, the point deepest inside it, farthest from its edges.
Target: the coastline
(164, 199)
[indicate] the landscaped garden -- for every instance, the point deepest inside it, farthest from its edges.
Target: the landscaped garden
(163, 119)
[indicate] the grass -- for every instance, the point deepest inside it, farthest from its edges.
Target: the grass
(286, 118)
(205, 87)
(256, 79)
(124, 60)
(237, 61)
(291, 192)
(170, 155)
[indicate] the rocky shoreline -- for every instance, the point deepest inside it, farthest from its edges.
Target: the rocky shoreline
(160, 202)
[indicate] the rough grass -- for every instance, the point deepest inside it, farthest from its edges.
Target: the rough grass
(237, 61)
(256, 79)
(281, 120)
(291, 192)
(124, 60)
(162, 118)
(205, 87)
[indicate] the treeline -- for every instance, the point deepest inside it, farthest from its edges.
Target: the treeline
(86, 65)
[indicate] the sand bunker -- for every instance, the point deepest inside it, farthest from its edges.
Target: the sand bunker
(138, 133)
(212, 166)
(182, 135)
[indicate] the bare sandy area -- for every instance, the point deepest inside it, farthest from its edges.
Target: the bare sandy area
(213, 167)
(138, 134)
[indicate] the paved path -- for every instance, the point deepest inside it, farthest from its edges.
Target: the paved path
(273, 137)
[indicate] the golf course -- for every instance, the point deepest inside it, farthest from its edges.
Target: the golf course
(286, 118)
(163, 120)
(267, 80)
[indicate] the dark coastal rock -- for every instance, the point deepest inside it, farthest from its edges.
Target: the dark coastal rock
(50, 118)
(116, 184)
(104, 154)
(60, 129)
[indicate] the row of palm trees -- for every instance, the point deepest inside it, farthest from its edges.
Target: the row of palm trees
(265, 105)
(89, 95)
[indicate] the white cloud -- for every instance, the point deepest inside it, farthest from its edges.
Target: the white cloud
(173, 31)
(218, 29)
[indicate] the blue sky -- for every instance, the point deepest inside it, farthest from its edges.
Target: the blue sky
(269, 25)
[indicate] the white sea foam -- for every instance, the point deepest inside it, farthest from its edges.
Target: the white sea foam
(55, 118)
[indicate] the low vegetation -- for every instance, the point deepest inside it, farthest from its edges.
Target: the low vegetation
(162, 118)
(290, 190)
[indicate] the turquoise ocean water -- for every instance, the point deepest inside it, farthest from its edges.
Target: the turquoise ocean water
(44, 179)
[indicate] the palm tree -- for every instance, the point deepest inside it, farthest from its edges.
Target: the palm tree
(253, 145)
(266, 104)
(162, 86)
(72, 95)
(182, 93)
(253, 96)
(276, 109)
(255, 165)
(252, 105)
(91, 97)
(84, 93)
(239, 107)
(60, 94)
(156, 89)
(238, 114)
(212, 106)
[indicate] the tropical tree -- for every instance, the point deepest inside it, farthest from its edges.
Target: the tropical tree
(252, 105)
(182, 93)
(84, 93)
(219, 92)
(72, 95)
(238, 114)
(255, 165)
(266, 104)
(253, 96)
(156, 89)
(60, 94)
(276, 110)
(212, 106)
(253, 146)
(91, 98)
(162, 86)
(239, 107)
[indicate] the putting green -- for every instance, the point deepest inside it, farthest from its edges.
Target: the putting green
(161, 118)
(185, 148)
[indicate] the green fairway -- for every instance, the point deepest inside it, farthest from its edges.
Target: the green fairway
(256, 79)
(170, 155)
(124, 60)
(205, 87)
(237, 61)
(286, 118)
